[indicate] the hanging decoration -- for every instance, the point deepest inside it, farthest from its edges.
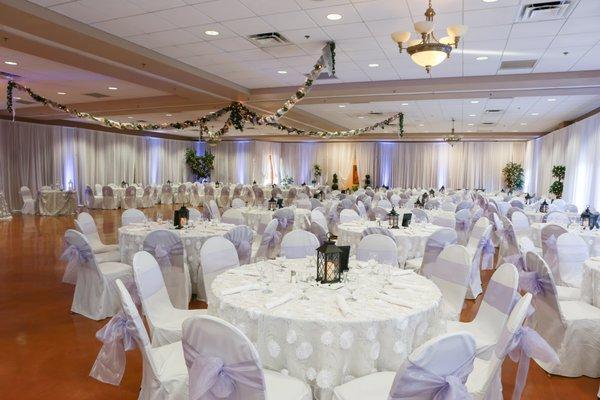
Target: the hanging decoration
(239, 114)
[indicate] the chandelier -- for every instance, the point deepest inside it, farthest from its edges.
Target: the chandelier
(429, 51)
(452, 138)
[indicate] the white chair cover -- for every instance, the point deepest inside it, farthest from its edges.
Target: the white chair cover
(419, 216)
(299, 244)
(238, 203)
(146, 200)
(181, 195)
(385, 204)
(464, 205)
(270, 242)
(318, 217)
(434, 246)
(241, 237)
(98, 189)
(164, 320)
(90, 200)
(319, 231)
(130, 198)
(558, 218)
(463, 225)
(572, 252)
(233, 216)
(448, 206)
(285, 217)
(378, 247)
(195, 198)
(85, 224)
(195, 214)
(223, 364)
(215, 214)
(314, 203)
(550, 234)
(348, 215)
(217, 255)
(166, 195)
(481, 250)
(378, 230)
(259, 195)
(520, 223)
(109, 202)
(132, 216)
(167, 248)
(95, 294)
(209, 192)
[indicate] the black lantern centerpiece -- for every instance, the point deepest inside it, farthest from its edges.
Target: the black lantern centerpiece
(181, 217)
(329, 269)
(272, 204)
(393, 219)
(544, 207)
(123, 184)
(528, 198)
(432, 193)
(418, 203)
(586, 218)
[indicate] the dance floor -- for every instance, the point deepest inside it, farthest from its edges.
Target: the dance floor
(47, 352)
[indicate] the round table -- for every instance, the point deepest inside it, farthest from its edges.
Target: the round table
(57, 202)
(592, 238)
(537, 216)
(258, 218)
(310, 337)
(442, 218)
(590, 283)
(131, 239)
(411, 241)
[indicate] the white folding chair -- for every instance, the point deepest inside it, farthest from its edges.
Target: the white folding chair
(217, 255)
(433, 247)
(164, 320)
(242, 237)
(520, 223)
(87, 226)
(132, 216)
(28, 201)
(379, 248)
(572, 252)
(299, 244)
(348, 215)
(210, 341)
(109, 202)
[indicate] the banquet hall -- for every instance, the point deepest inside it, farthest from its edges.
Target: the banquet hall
(300, 199)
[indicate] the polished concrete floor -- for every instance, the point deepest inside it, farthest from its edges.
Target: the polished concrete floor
(47, 352)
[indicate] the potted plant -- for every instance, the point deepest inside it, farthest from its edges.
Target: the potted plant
(513, 176)
(334, 185)
(287, 181)
(558, 172)
(201, 166)
(367, 181)
(316, 174)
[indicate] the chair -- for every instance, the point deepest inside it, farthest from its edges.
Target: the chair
(233, 216)
(215, 214)
(498, 301)
(425, 375)
(167, 249)
(318, 217)
(433, 247)
(285, 217)
(549, 236)
(560, 204)
(87, 226)
(450, 271)
(314, 203)
(164, 320)
(132, 216)
(572, 252)
(572, 208)
(269, 244)
(520, 223)
(95, 294)
(348, 215)
(164, 374)
(532, 260)
(481, 250)
(299, 244)
(385, 204)
(464, 205)
(195, 214)
(223, 364)
(195, 198)
(238, 203)
(568, 326)
(241, 236)
(217, 255)
(146, 200)
(166, 195)
(209, 192)
(109, 202)
(91, 201)
(303, 203)
(463, 225)
(558, 218)
(448, 206)
(378, 247)
(181, 195)
(98, 190)
(419, 216)
(130, 198)
(378, 230)
(259, 196)
(319, 231)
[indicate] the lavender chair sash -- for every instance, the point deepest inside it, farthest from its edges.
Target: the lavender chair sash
(417, 381)
(241, 237)
(74, 257)
(532, 282)
(487, 251)
(526, 343)
(163, 252)
(117, 336)
(501, 297)
(213, 379)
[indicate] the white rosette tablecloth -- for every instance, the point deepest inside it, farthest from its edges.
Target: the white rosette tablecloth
(5, 214)
(592, 238)
(256, 218)
(411, 241)
(131, 239)
(312, 339)
(590, 284)
(57, 202)
(537, 216)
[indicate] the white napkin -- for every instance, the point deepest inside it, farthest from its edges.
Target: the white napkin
(343, 305)
(280, 300)
(405, 285)
(401, 272)
(595, 258)
(239, 289)
(394, 300)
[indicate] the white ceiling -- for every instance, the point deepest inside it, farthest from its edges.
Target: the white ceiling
(175, 28)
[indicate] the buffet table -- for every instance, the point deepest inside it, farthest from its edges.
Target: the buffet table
(57, 202)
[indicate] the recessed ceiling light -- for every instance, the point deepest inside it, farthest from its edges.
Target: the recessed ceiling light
(523, 123)
(11, 63)
(489, 1)
(361, 117)
(474, 101)
(470, 124)
(211, 33)
(112, 88)
(341, 105)
(374, 65)
(472, 115)
(130, 117)
(61, 93)
(404, 104)
(469, 130)
(551, 99)
(282, 72)
(515, 130)
(17, 98)
(421, 124)
(334, 17)
(535, 114)
(168, 115)
(482, 58)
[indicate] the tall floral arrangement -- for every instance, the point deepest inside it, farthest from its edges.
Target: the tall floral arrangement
(558, 172)
(513, 176)
(201, 166)
(316, 173)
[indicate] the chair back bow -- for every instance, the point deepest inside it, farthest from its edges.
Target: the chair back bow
(487, 251)
(117, 336)
(75, 254)
(163, 255)
(532, 282)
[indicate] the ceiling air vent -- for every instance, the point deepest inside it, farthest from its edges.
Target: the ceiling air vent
(24, 102)
(324, 76)
(492, 111)
(268, 39)
(518, 64)
(487, 123)
(375, 113)
(96, 95)
(546, 10)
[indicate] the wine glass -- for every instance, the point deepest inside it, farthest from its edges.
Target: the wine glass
(159, 217)
(352, 285)
(263, 270)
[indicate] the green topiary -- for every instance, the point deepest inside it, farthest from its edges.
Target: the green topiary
(334, 185)
(558, 172)
(513, 176)
(367, 180)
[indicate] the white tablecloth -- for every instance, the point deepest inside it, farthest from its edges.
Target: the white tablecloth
(536, 216)
(590, 284)
(592, 238)
(257, 217)
(131, 239)
(56, 202)
(411, 241)
(312, 339)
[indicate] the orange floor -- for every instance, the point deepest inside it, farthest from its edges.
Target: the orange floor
(47, 352)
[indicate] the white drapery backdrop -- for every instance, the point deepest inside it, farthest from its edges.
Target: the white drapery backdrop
(576, 146)
(35, 155)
